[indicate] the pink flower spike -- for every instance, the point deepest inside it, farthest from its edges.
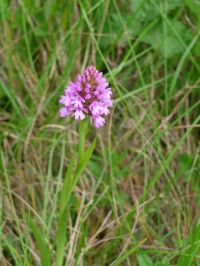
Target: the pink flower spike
(89, 95)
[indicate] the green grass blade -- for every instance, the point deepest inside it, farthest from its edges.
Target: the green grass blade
(181, 63)
(61, 237)
(66, 186)
(45, 252)
(188, 254)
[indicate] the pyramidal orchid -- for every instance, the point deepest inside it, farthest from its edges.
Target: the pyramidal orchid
(89, 95)
(88, 98)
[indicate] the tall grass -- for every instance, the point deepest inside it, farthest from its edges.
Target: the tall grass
(137, 202)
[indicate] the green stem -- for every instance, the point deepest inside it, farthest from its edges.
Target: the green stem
(70, 181)
(82, 134)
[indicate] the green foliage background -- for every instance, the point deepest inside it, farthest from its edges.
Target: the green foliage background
(137, 203)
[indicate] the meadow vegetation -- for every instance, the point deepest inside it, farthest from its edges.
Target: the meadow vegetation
(138, 201)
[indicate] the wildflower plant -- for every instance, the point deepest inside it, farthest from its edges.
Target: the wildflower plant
(86, 99)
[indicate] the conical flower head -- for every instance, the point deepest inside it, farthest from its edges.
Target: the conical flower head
(89, 95)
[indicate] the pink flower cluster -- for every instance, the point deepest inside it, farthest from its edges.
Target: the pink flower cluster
(89, 95)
